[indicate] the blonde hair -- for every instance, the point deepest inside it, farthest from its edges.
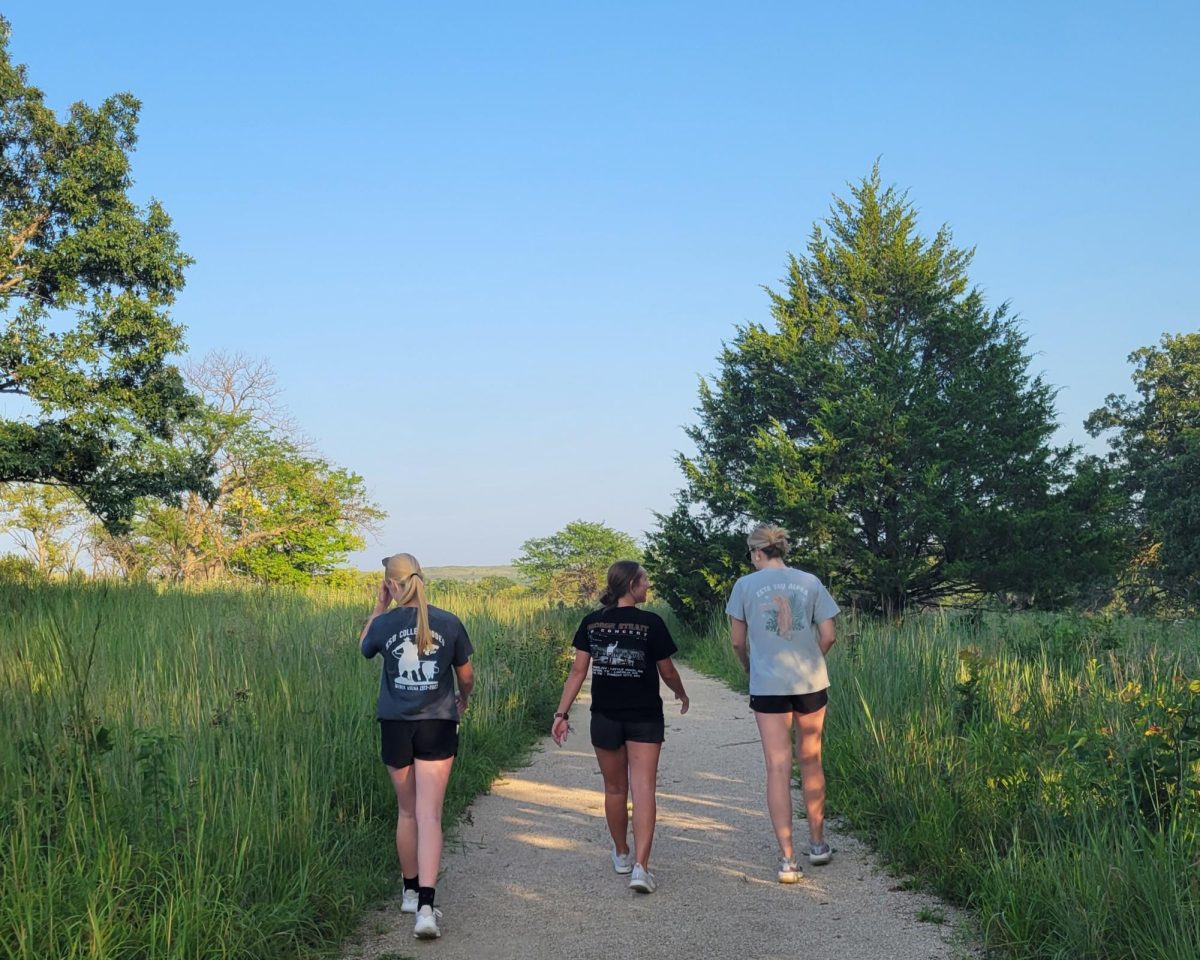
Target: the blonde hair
(406, 583)
(770, 539)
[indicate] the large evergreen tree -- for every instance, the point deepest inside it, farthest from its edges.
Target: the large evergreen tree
(887, 417)
(86, 281)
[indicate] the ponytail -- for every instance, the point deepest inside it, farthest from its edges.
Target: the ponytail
(406, 583)
(621, 576)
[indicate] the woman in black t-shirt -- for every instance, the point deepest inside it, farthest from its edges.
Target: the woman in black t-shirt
(628, 650)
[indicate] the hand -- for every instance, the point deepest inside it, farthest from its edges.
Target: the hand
(460, 702)
(382, 598)
(684, 703)
(559, 730)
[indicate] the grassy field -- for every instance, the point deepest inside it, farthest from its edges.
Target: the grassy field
(1044, 770)
(196, 775)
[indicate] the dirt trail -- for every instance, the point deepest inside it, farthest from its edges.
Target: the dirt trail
(529, 876)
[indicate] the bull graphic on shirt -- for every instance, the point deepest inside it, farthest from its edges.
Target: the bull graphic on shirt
(410, 665)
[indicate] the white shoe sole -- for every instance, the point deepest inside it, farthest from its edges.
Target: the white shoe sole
(789, 876)
(820, 859)
(428, 933)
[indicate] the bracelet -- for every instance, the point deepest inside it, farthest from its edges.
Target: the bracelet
(561, 716)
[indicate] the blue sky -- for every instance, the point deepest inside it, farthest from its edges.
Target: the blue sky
(490, 248)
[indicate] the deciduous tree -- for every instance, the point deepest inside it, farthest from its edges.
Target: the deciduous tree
(87, 278)
(572, 564)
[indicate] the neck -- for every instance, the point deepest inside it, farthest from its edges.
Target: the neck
(773, 564)
(627, 601)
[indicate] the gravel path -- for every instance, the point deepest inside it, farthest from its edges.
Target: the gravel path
(528, 876)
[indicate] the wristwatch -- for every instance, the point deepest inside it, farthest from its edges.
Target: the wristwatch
(563, 716)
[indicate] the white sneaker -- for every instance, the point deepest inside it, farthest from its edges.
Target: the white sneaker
(426, 925)
(642, 880)
(788, 872)
(408, 903)
(622, 862)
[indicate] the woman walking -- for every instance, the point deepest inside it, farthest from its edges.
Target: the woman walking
(781, 624)
(418, 721)
(628, 650)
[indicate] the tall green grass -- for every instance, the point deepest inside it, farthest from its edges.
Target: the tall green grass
(196, 774)
(1043, 770)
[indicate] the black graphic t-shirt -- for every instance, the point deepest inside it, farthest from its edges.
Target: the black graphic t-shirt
(625, 644)
(415, 687)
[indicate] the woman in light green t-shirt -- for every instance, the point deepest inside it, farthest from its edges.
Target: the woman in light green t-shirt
(781, 625)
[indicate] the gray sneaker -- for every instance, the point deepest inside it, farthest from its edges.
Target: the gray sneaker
(642, 880)
(622, 862)
(819, 853)
(788, 872)
(409, 902)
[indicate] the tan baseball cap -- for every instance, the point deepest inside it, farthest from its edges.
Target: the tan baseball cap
(401, 566)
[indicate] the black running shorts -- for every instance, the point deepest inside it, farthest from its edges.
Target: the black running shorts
(796, 703)
(611, 734)
(402, 741)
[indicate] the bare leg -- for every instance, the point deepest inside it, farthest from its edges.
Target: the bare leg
(431, 778)
(775, 729)
(812, 774)
(404, 784)
(643, 778)
(614, 768)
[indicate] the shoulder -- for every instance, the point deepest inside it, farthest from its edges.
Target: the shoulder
(806, 578)
(592, 617)
(445, 617)
(652, 618)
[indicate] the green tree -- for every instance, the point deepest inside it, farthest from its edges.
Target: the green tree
(46, 523)
(278, 513)
(1156, 444)
(572, 564)
(888, 418)
(100, 401)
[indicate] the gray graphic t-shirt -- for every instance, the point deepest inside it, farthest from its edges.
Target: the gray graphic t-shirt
(781, 608)
(415, 687)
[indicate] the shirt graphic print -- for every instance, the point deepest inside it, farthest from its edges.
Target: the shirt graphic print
(413, 673)
(625, 645)
(618, 649)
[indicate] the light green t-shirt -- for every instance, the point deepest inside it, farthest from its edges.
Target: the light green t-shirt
(781, 608)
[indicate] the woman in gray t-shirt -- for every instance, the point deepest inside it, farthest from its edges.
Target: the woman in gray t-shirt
(426, 655)
(781, 624)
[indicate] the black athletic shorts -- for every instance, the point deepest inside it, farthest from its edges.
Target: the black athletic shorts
(402, 741)
(612, 734)
(797, 703)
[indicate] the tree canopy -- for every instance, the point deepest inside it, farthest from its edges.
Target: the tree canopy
(87, 278)
(1155, 443)
(889, 419)
(278, 513)
(572, 564)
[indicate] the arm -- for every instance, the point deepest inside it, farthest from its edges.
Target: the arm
(670, 676)
(382, 600)
(737, 635)
(579, 672)
(465, 675)
(826, 635)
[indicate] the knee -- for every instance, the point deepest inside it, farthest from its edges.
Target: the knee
(620, 789)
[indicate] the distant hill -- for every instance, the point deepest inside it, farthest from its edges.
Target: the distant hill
(470, 574)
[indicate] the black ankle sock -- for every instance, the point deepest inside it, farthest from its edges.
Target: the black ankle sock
(410, 883)
(424, 897)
